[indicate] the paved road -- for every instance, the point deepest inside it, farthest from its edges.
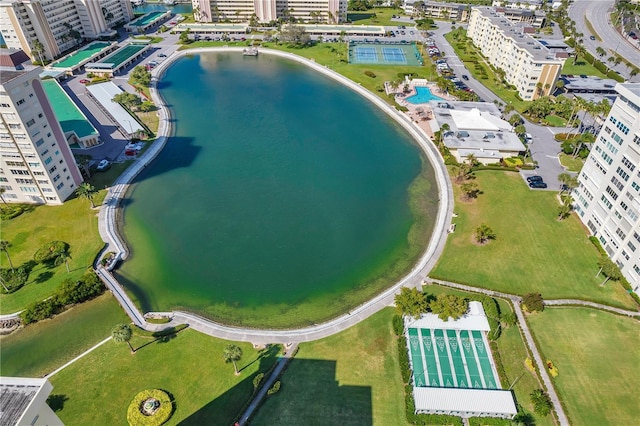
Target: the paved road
(524, 327)
(597, 12)
(544, 148)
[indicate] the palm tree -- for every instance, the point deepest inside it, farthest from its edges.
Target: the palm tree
(63, 255)
(4, 245)
(232, 353)
(484, 234)
(122, 333)
(86, 190)
(2, 191)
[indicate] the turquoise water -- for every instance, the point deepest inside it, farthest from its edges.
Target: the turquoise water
(422, 96)
(280, 187)
(159, 7)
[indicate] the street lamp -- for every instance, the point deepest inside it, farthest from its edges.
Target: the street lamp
(130, 127)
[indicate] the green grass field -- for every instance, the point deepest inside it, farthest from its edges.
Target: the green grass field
(376, 16)
(572, 164)
(98, 388)
(554, 120)
(74, 223)
(40, 348)
(581, 67)
(513, 353)
(597, 356)
(533, 250)
(351, 378)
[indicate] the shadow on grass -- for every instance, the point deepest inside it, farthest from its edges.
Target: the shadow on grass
(269, 352)
(56, 401)
(164, 336)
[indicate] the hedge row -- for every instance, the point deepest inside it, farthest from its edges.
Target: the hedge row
(69, 293)
(498, 361)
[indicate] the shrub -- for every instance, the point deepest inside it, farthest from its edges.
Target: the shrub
(275, 388)
(541, 402)
(71, 292)
(398, 325)
(14, 279)
(529, 364)
(533, 302)
(370, 74)
(40, 310)
(135, 417)
(257, 380)
(615, 76)
(403, 360)
(504, 380)
(10, 211)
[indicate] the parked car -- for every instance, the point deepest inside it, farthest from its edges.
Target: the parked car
(534, 178)
(537, 185)
(85, 81)
(465, 77)
(592, 37)
(161, 55)
(103, 165)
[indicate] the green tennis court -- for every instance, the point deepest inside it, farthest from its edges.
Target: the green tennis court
(123, 54)
(450, 358)
(83, 54)
(384, 54)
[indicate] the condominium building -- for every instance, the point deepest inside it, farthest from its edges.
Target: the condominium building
(527, 64)
(434, 9)
(58, 25)
(36, 163)
(519, 4)
(607, 199)
(329, 11)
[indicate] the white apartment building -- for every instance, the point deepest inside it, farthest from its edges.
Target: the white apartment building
(329, 11)
(54, 23)
(607, 199)
(519, 4)
(433, 9)
(527, 64)
(36, 163)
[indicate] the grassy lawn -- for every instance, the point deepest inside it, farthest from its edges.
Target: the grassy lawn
(554, 120)
(351, 378)
(74, 223)
(572, 164)
(581, 67)
(42, 347)
(597, 356)
(533, 250)
(513, 352)
(376, 16)
(465, 53)
(98, 388)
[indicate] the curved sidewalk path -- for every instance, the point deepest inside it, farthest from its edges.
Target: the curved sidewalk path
(108, 222)
(576, 302)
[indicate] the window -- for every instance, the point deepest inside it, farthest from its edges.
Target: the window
(613, 120)
(622, 174)
(620, 233)
(606, 202)
(27, 181)
(617, 183)
(53, 169)
(20, 102)
(612, 192)
(48, 160)
(34, 164)
(15, 163)
(623, 128)
(20, 172)
(39, 142)
(635, 186)
(28, 189)
(628, 164)
(607, 129)
(60, 185)
(631, 246)
(30, 122)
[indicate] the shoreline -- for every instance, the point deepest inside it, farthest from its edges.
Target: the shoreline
(108, 217)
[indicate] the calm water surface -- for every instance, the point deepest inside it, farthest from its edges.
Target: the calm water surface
(279, 187)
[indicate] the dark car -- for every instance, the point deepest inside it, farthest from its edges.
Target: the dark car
(535, 178)
(592, 37)
(537, 185)
(162, 55)
(465, 77)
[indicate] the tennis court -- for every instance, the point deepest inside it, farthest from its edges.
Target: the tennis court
(451, 359)
(384, 54)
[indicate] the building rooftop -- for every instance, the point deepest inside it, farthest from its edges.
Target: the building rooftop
(81, 55)
(70, 117)
(632, 87)
(8, 75)
(475, 319)
(16, 394)
(475, 126)
(589, 84)
(489, 401)
(516, 31)
(104, 93)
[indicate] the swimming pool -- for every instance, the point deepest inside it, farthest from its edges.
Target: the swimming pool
(422, 96)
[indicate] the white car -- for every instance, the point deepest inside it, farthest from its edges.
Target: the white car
(103, 165)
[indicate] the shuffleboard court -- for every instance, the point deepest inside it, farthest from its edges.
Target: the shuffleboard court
(418, 367)
(475, 377)
(123, 54)
(456, 358)
(82, 55)
(430, 358)
(483, 357)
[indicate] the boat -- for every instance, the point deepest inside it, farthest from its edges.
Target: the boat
(251, 51)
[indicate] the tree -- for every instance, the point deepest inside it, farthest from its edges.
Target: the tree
(146, 106)
(63, 255)
(600, 51)
(184, 36)
(483, 234)
(232, 353)
(122, 333)
(411, 302)
(569, 182)
(140, 76)
(565, 209)
(86, 190)
(38, 49)
(449, 306)
(470, 190)
(533, 302)
(541, 402)
(295, 35)
(128, 99)
(4, 246)
(609, 269)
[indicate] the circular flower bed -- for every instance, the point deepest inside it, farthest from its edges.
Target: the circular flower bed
(151, 407)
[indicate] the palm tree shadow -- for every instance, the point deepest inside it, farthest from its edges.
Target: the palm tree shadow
(268, 352)
(56, 401)
(162, 337)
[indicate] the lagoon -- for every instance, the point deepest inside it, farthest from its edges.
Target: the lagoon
(283, 198)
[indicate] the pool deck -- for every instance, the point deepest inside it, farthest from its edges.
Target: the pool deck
(421, 114)
(111, 210)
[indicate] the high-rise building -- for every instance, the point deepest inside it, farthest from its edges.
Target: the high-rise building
(36, 163)
(327, 11)
(607, 199)
(51, 27)
(527, 64)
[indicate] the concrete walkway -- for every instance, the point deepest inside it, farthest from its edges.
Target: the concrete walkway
(575, 302)
(542, 368)
(262, 393)
(87, 352)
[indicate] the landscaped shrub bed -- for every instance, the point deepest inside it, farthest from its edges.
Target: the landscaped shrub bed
(158, 407)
